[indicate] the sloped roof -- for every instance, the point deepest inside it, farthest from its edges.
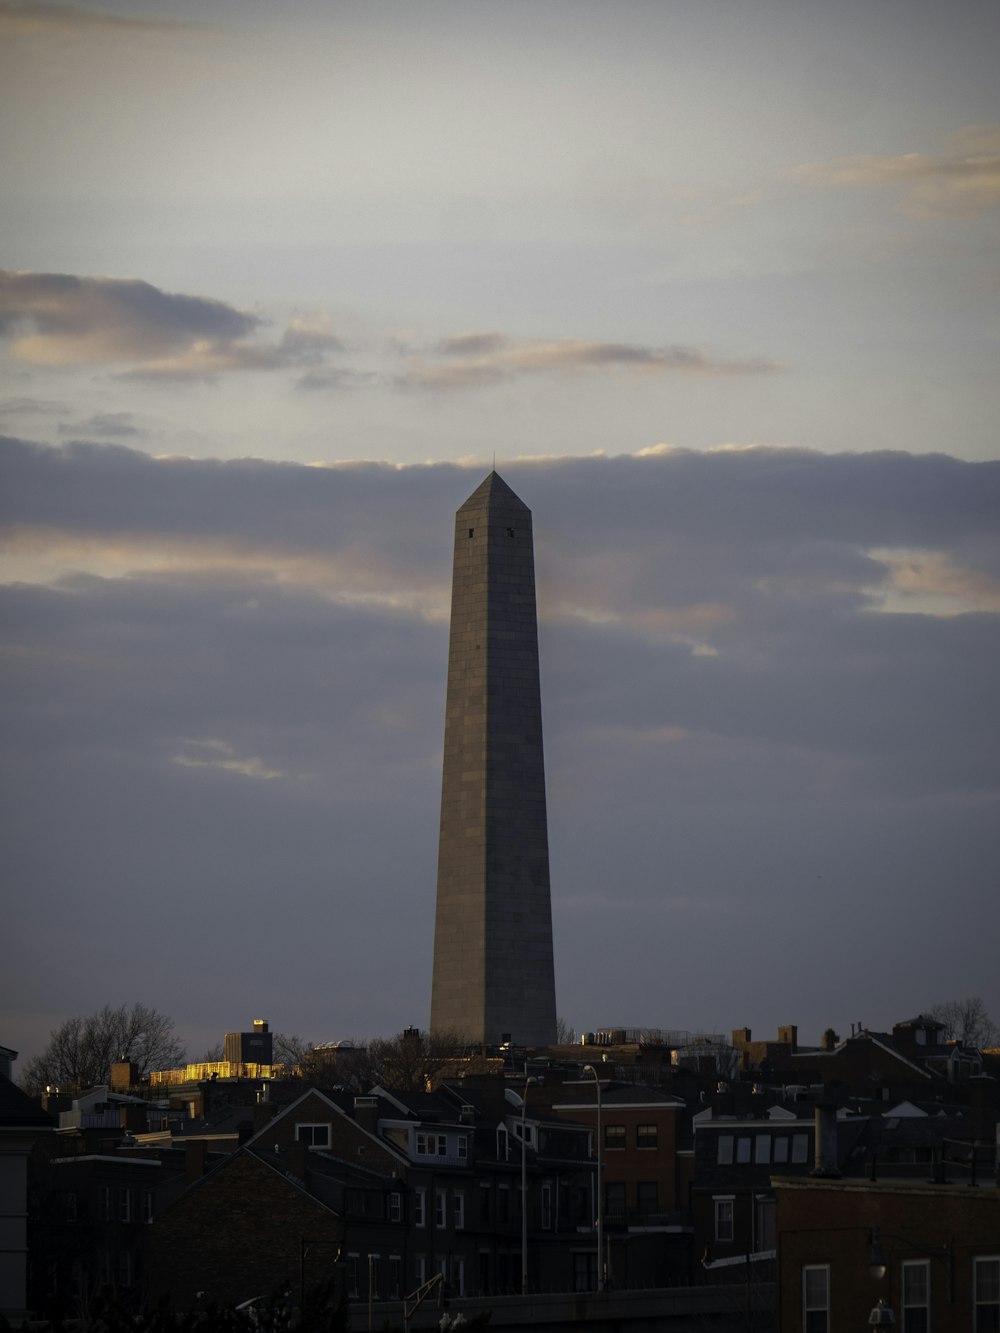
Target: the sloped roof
(19, 1111)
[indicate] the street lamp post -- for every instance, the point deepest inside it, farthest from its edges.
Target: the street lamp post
(589, 1069)
(524, 1190)
(524, 1183)
(883, 1316)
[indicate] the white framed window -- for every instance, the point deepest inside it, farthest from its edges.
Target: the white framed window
(816, 1298)
(432, 1145)
(124, 1205)
(463, 1147)
(373, 1275)
(458, 1205)
(723, 1216)
(986, 1294)
(800, 1147)
(440, 1208)
(458, 1275)
(147, 1205)
(419, 1208)
(916, 1295)
(420, 1268)
(316, 1135)
(395, 1206)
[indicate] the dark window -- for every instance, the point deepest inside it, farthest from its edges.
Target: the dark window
(503, 1204)
(723, 1219)
(614, 1136)
(585, 1271)
(987, 1295)
(484, 1203)
(472, 532)
(916, 1294)
(816, 1299)
(646, 1197)
(645, 1136)
(395, 1277)
(510, 532)
(317, 1136)
(614, 1201)
(766, 1234)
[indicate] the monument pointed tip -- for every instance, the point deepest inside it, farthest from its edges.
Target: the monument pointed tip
(493, 488)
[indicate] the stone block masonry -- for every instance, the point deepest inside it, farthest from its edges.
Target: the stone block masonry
(493, 962)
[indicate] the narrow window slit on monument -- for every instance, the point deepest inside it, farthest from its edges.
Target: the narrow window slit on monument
(472, 532)
(510, 532)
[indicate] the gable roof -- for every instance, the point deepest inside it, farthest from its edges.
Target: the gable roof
(19, 1111)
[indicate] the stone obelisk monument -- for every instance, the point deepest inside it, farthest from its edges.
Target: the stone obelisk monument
(493, 968)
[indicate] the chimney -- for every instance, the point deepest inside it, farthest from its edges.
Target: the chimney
(195, 1152)
(826, 1143)
(296, 1158)
(124, 1075)
(263, 1113)
(366, 1113)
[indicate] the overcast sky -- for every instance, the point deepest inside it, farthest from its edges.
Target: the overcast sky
(715, 281)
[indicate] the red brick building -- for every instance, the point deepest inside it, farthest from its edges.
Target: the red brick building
(938, 1252)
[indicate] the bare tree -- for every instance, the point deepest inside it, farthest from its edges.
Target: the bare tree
(290, 1050)
(81, 1051)
(565, 1034)
(416, 1060)
(966, 1021)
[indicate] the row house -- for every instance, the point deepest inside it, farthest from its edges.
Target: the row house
(89, 1220)
(645, 1173)
(394, 1188)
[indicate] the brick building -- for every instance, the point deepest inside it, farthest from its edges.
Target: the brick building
(936, 1250)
